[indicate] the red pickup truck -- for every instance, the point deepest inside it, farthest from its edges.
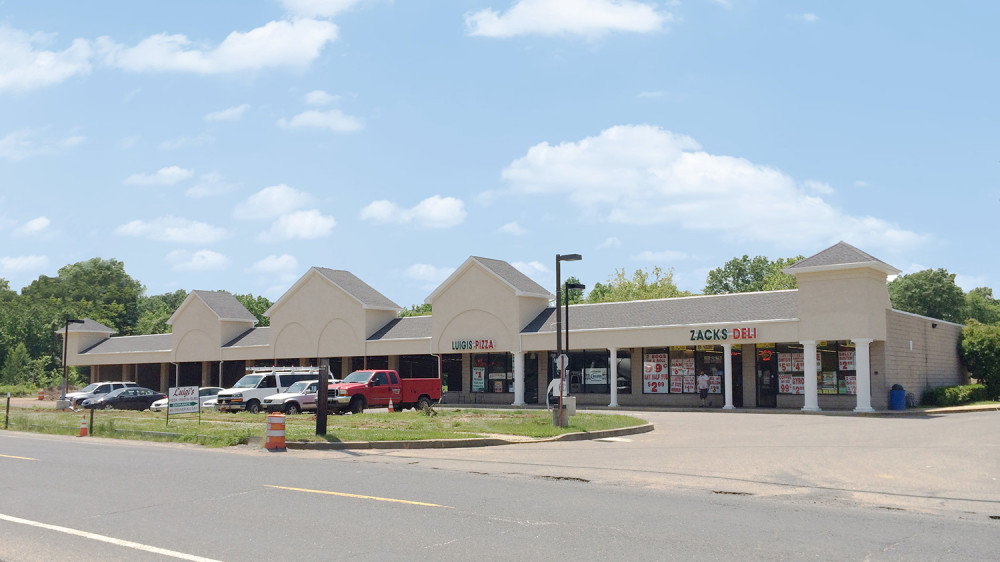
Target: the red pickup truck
(375, 388)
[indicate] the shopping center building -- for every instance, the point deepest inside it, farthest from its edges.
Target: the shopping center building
(492, 340)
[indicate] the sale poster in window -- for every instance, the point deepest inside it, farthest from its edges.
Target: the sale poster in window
(851, 383)
(655, 373)
(714, 384)
(845, 360)
(784, 362)
(785, 383)
(689, 384)
(798, 384)
(798, 362)
(478, 379)
(676, 384)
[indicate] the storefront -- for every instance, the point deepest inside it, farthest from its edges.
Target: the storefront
(833, 343)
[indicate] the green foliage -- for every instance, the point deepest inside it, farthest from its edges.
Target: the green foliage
(639, 287)
(257, 306)
(17, 390)
(16, 366)
(416, 310)
(745, 275)
(979, 348)
(931, 292)
(154, 312)
(6, 294)
(980, 305)
(575, 295)
(955, 395)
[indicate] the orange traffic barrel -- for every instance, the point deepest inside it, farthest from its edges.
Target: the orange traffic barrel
(41, 394)
(275, 437)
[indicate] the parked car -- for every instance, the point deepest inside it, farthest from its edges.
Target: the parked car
(95, 389)
(205, 394)
(258, 384)
(299, 397)
(130, 398)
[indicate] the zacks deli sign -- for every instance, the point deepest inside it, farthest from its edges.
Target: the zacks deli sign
(472, 345)
(724, 334)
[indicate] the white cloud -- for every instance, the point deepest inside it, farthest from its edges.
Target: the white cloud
(590, 18)
(24, 66)
(332, 119)
(319, 97)
(428, 275)
(12, 264)
(512, 228)
(202, 260)
(318, 8)
(299, 225)
(272, 202)
(969, 282)
(164, 176)
(173, 229)
(612, 242)
(234, 113)
(817, 187)
(661, 256)
(284, 263)
(276, 44)
(210, 184)
(639, 174)
(187, 142)
(32, 227)
(433, 212)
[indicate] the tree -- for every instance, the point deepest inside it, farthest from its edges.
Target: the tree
(15, 366)
(575, 295)
(257, 306)
(416, 310)
(980, 305)
(6, 294)
(745, 275)
(154, 312)
(931, 292)
(620, 288)
(980, 351)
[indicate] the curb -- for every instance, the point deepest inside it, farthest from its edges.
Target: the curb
(464, 443)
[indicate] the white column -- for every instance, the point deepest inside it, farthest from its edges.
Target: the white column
(809, 366)
(727, 351)
(613, 376)
(518, 379)
(864, 373)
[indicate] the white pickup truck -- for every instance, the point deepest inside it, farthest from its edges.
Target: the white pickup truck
(248, 392)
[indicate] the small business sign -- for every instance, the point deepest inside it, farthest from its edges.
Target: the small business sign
(724, 334)
(472, 345)
(182, 400)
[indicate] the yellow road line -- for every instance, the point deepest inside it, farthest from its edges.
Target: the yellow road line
(359, 496)
(19, 458)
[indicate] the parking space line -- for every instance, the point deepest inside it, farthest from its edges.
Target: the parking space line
(358, 496)
(19, 458)
(110, 540)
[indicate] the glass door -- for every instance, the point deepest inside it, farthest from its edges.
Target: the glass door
(767, 378)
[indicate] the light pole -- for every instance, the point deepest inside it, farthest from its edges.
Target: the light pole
(570, 287)
(62, 397)
(561, 258)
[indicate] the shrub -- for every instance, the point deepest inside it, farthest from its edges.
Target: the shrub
(18, 390)
(955, 395)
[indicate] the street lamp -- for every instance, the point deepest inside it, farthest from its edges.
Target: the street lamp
(69, 321)
(561, 258)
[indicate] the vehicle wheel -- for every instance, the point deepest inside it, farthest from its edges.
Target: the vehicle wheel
(292, 408)
(340, 411)
(357, 405)
(423, 403)
(253, 407)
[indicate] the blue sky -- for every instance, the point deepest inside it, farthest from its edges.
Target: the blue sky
(234, 144)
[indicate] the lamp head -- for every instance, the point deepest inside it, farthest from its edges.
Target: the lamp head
(569, 257)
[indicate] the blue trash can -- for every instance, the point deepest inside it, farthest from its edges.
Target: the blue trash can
(897, 398)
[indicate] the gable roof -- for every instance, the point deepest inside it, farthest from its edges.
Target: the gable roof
(522, 285)
(87, 327)
(222, 303)
(131, 344)
(702, 309)
(347, 282)
(840, 256)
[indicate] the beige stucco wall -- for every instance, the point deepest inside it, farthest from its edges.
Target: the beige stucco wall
(475, 306)
(317, 312)
(842, 304)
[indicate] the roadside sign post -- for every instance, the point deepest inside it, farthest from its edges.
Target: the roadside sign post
(183, 400)
(322, 398)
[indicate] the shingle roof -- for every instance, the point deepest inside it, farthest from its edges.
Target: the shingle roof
(736, 307)
(840, 254)
(352, 285)
(88, 326)
(132, 344)
(252, 337)
(510, 274)
(408, 327)
(225, 306)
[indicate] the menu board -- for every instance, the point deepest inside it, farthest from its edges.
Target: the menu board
(845, 360)
(655, 372)
(851, 383)
(714, 384)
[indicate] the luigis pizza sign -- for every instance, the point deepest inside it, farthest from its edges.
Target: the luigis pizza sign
(724, 334)
(472, 345)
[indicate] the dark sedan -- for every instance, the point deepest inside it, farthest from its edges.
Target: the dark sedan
(132, 398)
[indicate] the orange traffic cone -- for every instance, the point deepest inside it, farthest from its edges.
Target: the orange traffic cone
(391, 409)
(83, 426)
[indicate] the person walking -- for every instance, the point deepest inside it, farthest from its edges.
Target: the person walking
(703, 387)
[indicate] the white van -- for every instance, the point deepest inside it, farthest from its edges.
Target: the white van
(249, 391)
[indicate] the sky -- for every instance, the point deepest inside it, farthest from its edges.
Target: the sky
(232, 145)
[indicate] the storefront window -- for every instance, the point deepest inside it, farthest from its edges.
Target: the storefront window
(835, 370)
(418, 366)
(624, 372)
(588, 371)
(675, 370)
(451, 372)
(492, 372)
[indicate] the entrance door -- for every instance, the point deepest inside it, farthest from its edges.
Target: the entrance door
(767, 378)
(737, 379)
(531, 378)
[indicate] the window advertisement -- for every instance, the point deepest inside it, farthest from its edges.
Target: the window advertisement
(834, 364)
(478, 379)
(655, 372)
(498, 372)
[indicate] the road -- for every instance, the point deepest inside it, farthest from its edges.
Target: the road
(702, 486)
